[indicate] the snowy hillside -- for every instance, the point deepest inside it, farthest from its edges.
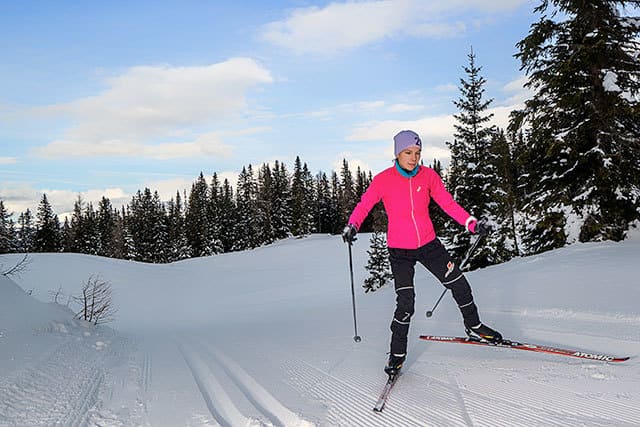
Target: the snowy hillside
(264, 337)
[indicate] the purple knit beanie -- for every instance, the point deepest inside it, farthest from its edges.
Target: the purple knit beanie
(404, 140)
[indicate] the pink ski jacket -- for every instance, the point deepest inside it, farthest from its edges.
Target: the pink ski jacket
(406, 201)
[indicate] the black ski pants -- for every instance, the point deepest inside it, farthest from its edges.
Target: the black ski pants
(437, 260)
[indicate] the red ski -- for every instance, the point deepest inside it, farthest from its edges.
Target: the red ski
(528, 347)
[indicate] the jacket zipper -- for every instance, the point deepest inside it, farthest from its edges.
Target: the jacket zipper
(413, 217)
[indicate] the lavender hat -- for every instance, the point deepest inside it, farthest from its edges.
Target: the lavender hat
(404, 140)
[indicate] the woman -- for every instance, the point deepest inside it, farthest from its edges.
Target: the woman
(406, 189)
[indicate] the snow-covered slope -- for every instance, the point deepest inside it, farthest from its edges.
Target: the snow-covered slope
(264, 337)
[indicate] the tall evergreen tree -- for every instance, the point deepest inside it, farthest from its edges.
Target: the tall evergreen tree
(584, 120)
(325, 210)
(336, 198)
(147, 225)
(8, 238)
(90, 231)
(47, 237)
(472, 175)
(228, 216)
(213, 216)
(347, 198)
(176, 236)
(247, 233)
(506, 238)
(301, 199)
(378, 265)
(26, 231)
(106, 222)
(197, 219)
(266, 198)
(281, 204)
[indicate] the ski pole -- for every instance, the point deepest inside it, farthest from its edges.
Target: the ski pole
(462, 264)
(356, 337)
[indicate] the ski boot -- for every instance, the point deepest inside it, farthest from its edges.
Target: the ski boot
(482, 332)
(394, 364)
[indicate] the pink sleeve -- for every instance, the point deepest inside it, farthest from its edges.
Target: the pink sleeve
(364, 206)
(444, 199)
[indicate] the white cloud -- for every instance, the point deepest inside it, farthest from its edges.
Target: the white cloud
(8, 160)
(403, 108)
(342, 26)
(159, 102)
(516, 92)
(209, 144)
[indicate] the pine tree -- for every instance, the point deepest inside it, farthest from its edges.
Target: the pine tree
(90, 231)
(281, 203)
(506, 236)
(8, 238)
(106, 223)
(73, 231)
(378, 264)
(26, 231)
(471, 176)
(584, 120)
(213, 216)
(325, 210)
(176, 236)
(301, 199)
(47, 235)
(266, 198)
(197, 219)
(247, 233)
(147, 225)
(336, 193)
(347, 198)
(228, 217)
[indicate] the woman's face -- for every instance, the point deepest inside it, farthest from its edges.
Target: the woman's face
(409, 158)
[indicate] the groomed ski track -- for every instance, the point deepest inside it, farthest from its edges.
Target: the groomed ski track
(288, 358)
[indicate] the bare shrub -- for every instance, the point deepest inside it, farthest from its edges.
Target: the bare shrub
(96, 301)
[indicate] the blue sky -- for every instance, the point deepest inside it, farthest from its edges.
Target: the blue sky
(105, 98)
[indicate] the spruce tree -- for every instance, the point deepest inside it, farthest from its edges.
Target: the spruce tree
(106, 218)
(347, 198)
(301, 194)
(47, 235)
(8, 239)
(73, 234)
(26, 231)
(583, 120)
(213, 216)
(247, 232)
(281, 201)
(266, 198)
(506, 236)
(90, 231)
(325, 212)
(197, 219)
(176, 236)
(378, 264)
(147, 225)
(472, 175)
(339, 220)
(228, 216)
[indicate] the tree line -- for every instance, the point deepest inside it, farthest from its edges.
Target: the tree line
(212, 218)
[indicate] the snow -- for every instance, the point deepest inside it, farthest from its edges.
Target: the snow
(265, 337)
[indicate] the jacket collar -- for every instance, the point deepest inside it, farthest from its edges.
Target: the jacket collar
(406, 173)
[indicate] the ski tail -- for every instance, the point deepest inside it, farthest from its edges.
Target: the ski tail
(529, 347)
(386, 391)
